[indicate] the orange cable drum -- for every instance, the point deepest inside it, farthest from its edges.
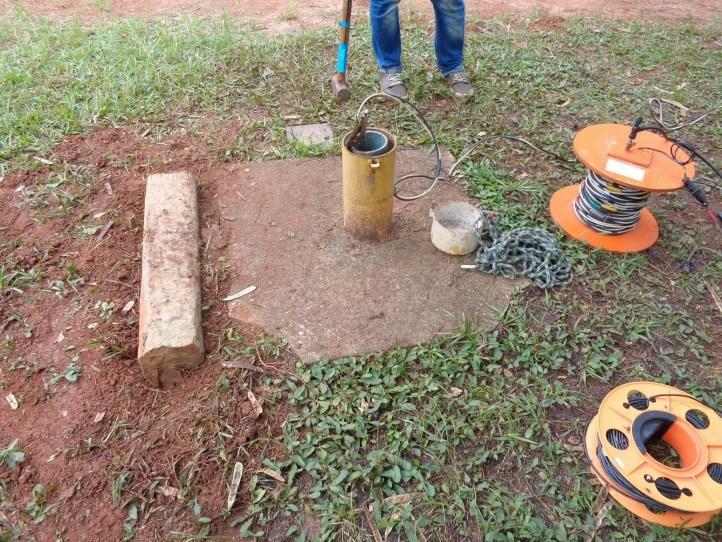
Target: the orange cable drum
(644, 167)
(668, 519)
(633, 416)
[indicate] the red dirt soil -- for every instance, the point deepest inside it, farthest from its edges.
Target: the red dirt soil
(79, 436)
(281, 15)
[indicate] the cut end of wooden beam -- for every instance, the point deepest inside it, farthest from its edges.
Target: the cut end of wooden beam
(170, 295)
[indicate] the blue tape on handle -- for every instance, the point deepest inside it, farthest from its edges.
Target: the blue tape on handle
(344, 24)
(342, 57)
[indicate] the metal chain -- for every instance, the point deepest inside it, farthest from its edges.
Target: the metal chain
(528, 252)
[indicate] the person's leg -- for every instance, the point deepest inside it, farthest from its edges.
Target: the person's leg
(386, 37)
(386, 34)
(449, 39)
(449, 42)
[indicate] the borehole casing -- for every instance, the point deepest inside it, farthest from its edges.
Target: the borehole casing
(368, 187)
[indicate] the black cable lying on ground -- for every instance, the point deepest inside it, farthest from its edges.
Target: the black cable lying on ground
(603, 205)
(691, 153)
(437, 176)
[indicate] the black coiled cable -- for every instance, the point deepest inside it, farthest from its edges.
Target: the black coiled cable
(715, 472)
(611, 473)
(607, 207)
(666, 487)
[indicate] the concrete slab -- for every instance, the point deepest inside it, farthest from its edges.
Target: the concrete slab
(330, 295)
(310, 134)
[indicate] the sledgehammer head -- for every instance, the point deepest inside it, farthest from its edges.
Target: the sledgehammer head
(340, 88)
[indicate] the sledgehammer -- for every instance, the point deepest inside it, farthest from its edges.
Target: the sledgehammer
(338, 81)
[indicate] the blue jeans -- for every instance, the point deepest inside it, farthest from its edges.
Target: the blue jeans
(449, 40)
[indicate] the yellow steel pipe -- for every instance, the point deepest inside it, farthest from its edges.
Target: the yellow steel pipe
(368, 190)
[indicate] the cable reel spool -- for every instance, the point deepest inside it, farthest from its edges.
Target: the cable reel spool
(607, 209)
(632, 417)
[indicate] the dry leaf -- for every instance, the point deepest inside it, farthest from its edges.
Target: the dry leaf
(715, 295)
(374, 530)
(238, 364)
(168, 491)
(12, 401)
(600, 508)
(128, 306)
(455, 392)
(395, 516)
(243, 292)
(404, 498)
(257, 408)
(235, 483)
(273, 474)
(99, 417)
(105, 230)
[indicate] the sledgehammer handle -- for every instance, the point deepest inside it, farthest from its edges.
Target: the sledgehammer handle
(344, 33)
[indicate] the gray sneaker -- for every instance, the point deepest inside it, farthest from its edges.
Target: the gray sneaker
(459, 84)
(393, 84)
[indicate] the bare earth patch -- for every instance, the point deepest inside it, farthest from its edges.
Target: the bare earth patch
(282, 15)
(86, 416)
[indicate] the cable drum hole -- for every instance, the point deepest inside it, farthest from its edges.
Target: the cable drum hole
(668, 488)
(637, 400)
(715, 472)
(664, 453)
(617, 439)
(697, 419)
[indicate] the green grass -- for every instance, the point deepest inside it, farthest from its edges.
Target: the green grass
(483, 431)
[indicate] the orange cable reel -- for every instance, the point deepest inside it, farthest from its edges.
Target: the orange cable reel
(618, 439)
(642, 162)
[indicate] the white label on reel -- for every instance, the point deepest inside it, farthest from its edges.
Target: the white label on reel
(619, 462)
(630, 171)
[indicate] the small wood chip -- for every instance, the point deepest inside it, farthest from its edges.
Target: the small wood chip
(44, 160)
(246, 291)
(235, 484)
(61, 337)
(238, 364)
(12, 401)
(257, 408)
(128, 306)
(99, 417)
(273, 474)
